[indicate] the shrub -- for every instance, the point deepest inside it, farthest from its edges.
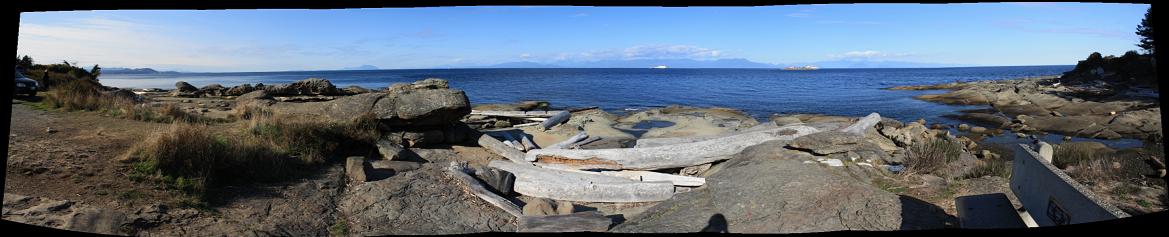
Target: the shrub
(929, 156)
(990, 167)
(1069, 154)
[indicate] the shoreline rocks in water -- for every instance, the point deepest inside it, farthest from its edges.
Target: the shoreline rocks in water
(1059, 105)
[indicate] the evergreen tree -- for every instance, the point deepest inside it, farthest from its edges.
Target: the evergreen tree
(1145, 30)
(96, 71)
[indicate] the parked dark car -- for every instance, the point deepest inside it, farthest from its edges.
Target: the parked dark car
(25, 86)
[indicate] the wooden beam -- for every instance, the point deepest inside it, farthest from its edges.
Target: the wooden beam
(459, 172)
(666, 156)
(513, 142)
(575, 186)
(525, 124)
(556, 119)
(495, 146)
(590, 221)
(517, 114)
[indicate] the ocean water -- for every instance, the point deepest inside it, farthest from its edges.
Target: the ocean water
(759, 92)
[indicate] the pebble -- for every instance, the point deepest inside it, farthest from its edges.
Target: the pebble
(50, 130)
(833, 162)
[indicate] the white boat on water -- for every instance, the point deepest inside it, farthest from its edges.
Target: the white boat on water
(660, 67)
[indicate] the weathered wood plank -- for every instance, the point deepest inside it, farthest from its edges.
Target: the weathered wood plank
(661, 157)
(517, 114)
(525, 124)
(556, 119)
(575, 186)
(590, 221)
(512, 141)
(1053, 198)
(495, 146)
(476, 188)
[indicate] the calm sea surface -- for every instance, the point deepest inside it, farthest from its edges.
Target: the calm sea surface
(760, 92)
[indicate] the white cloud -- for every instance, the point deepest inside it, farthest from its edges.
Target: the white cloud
(851, 22)
(108, 42)
(580, 15)
(869, 54)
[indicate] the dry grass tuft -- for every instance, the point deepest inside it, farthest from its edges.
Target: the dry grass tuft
(929, 156)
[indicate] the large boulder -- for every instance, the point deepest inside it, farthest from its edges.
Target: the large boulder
(239, 90)
(212, 90)
(424, 103)
(311, 86)
(423, 201)
(774, 192)
(184, 89)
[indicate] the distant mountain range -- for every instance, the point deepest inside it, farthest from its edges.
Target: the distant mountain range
(721, 63)
(122, 70)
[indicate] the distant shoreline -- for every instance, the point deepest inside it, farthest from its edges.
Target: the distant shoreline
(560, 68)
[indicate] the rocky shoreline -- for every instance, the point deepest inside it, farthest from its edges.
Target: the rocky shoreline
(849, 174)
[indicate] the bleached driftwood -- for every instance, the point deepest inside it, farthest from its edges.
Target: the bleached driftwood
(517, 114)
(556, 119)
(476, 188)
(652, 142)
(564, 144)
(536, 119)
(528, 124)
(511, 141)
(863, 124)
(577, 145)
(528, 142)
(650, 176)
(590, 221)
(641, 175)
(495, 146)
(667, 156)
(575, 186)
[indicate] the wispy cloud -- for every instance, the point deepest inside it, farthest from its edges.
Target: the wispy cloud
(579, 15)
(107, 41)
(869, 54)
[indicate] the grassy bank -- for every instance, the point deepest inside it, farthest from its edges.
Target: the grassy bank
(195, 158)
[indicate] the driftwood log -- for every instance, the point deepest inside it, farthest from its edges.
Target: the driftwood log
(590, 221)
(662, 157)
(528, 144)
(517, 114)
(644, 176)
(577, 145)
(495, 146)
(564, 144)
(652, 142)
(863, 125)
(475, 187)
(576, 186)
(525, 124)
(556, 119)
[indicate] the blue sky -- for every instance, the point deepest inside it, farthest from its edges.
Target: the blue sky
(278, 40)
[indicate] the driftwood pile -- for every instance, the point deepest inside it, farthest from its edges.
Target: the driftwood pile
(562, 171)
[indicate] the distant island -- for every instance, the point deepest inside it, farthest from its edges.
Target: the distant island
(362, 67)
(122, 70)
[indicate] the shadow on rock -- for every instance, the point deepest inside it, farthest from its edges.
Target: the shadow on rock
(716, 224)
(917, 214)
